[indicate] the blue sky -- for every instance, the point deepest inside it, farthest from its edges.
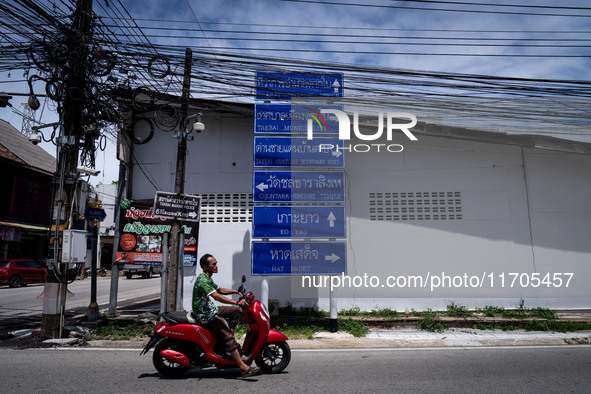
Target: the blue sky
(314, 24)
(343, 19)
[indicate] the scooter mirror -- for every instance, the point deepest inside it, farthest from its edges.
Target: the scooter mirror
(243, 278)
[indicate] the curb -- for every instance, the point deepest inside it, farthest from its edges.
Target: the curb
(412, 338)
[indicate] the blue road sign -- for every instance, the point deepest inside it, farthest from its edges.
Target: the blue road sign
(279, 85)
(95, 214)
(298, 186)
(315, 221)
(282, 118)
(298, 152)
(299, 258)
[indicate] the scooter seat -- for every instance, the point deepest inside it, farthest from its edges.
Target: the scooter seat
(180, 317)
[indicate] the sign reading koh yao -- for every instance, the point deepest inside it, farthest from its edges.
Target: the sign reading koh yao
(298, 221)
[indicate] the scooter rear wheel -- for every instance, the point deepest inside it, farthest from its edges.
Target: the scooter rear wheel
(274, 357)
(166, 367)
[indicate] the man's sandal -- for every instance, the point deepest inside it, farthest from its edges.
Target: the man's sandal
(251, 372)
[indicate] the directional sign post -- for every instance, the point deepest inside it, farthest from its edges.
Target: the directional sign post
(177, 206)
(95, 214)
(282, 118)
(297, 221)
(299, 186)
(298, 258)
(298, 152)
(280, 85)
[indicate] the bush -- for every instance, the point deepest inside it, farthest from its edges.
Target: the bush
(430, 322)
(454, 310)
(491, 311)
(353, 327)
(289, 310)
(552, 325)
(118, 332)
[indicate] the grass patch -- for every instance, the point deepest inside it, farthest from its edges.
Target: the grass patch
(500, 326)
(553, 325)
(491, 311)
(455, 310)
(356, 311)
(427, 313)
(520, 313)
(543, 313)
(297, 329)
(305, 329)
(303, 323)
(289, 310)
(114, 331)
(430, 322)
(353, 327)
(536, 325)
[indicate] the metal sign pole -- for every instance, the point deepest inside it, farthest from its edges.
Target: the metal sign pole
(164, 273)
(181, 273)
(334, 322)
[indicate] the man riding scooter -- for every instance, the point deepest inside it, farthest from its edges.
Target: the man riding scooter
(212, 317)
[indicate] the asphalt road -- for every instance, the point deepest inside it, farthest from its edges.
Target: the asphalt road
(25, 304)
(500, 370)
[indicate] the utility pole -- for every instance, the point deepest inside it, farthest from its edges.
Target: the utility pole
(93, 308)
(56, 287)
(115, 265)
(179, 188)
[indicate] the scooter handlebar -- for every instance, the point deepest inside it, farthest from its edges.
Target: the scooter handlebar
(247, 297)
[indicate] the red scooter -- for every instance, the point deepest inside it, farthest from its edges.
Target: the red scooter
(182, 344)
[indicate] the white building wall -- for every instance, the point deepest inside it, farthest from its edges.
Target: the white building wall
(559, 187)
(522, 211)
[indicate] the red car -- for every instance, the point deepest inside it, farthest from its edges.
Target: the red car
(17, 273)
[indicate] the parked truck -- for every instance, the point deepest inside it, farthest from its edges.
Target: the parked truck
(144, 270)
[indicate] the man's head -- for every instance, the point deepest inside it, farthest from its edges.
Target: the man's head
(208, 264)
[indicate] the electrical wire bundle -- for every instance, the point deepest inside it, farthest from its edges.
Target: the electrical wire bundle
(131, 63)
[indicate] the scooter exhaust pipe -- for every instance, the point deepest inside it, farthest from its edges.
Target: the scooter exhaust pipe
(175, 357)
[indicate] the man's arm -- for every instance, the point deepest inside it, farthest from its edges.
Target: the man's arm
(223, 291)
(225, 300)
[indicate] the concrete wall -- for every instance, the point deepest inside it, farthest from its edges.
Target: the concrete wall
(503, 210)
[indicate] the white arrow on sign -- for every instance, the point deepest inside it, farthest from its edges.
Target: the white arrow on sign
(337, 153)
(333, 257)
(331, 218)
(262, 187)
(336, 85)
(192, 214)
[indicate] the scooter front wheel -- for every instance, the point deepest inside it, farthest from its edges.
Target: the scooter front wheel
(274, 357)
(166, 367)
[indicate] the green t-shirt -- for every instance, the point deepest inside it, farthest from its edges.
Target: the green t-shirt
(203, 306)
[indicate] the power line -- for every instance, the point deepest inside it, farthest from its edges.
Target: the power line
(360, 52)
(342, 35)
(332, 27)
(502, 5)
(385, 6)
(228, 72)
(367, 42)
